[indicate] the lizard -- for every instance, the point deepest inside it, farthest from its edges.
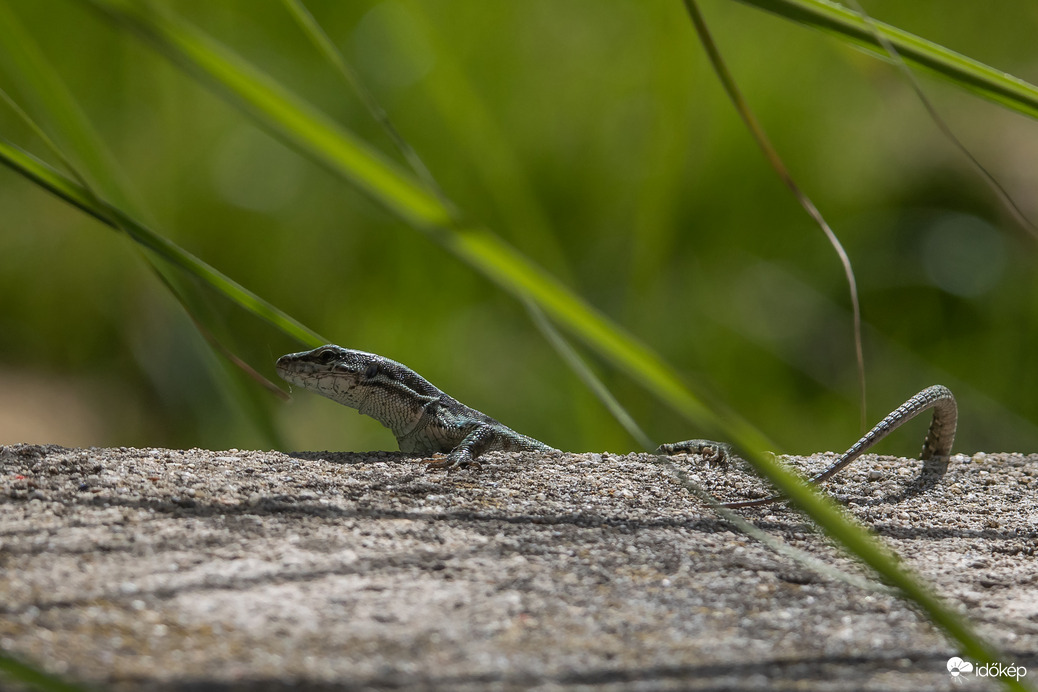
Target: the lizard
(426, 420)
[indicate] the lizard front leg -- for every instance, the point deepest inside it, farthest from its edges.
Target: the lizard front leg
(479, 440)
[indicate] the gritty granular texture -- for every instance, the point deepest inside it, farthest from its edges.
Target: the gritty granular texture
(163, 569)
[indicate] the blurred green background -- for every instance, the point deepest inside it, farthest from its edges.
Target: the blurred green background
(593, 137)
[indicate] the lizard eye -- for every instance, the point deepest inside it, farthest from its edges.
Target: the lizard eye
(371, 370)
(326, 356)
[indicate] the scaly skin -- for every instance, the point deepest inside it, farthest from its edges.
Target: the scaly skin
(425, 420)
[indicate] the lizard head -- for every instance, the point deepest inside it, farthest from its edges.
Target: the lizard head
(384, 389)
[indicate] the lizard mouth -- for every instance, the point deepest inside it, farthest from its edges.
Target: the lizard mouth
(289, 370)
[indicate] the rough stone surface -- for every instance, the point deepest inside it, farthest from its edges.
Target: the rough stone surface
(191, 569)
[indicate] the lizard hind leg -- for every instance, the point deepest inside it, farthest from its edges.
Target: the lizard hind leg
(715, 453)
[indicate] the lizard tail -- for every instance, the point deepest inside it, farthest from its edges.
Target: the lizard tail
(936, 448)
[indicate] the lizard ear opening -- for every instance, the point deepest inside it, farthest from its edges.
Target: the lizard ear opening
(371, 370)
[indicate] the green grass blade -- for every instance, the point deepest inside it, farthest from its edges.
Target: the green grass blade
(75, 194)
(963, 71)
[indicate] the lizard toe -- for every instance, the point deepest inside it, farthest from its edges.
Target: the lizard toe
(713, 453)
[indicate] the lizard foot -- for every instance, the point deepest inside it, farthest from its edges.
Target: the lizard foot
(453, 461)
(714, 453)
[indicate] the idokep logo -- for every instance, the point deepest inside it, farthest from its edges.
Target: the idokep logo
(959, 668)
